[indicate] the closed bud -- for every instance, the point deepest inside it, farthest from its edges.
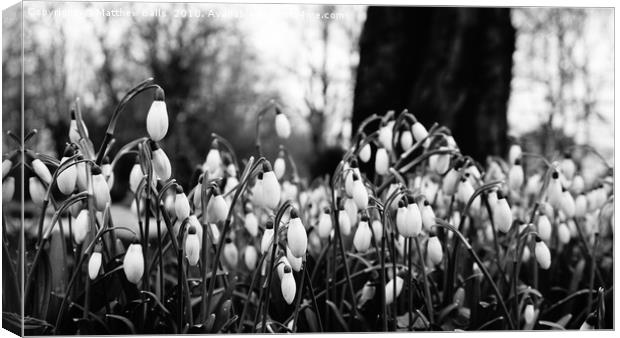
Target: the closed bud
(502, 216)
(161, 163)
(344, 222)
(108, 172)
(279, 167)
(529, 314)
(360, 194)
(533, 185)
(515, 176)
(543, 256)
(283, 126)
(295, 262)
(215, 231)
(514, 153)
(37, 191)
(351, 208)
(365, 153)
(217, 209)
(231, 254)
(377, 230)
(296, 235)
(42, 171)
(250, 257)
(563, 233)
(464, 191)
(267, 238)
(135, 176)
(567, 166)
(434, 250)
(401, 217)
(544, 227)
(389, 289)
(349, 172)
(382, 161)
(428, 216)
(406, 140)
(554, 191)
(451, 182)
(288, 286)
(361, 239)
(74, 134)
(251, 224)
(181, 204)
(271, 188)
(419, 131)
(578, 184)
(568, 204)
(94, 265)
(439, 163)
(157, 117)
(581, 206)
(7, 164)
(8, 189)
(325, 224)
(526, 254)
(101, 191)
(192, 246)
(281, 265)
(368, 293)
(213, 162)
(413, 221)
(67, 179)
(133, 263)
(386, 135)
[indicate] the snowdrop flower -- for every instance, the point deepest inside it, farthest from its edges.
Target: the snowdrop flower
(465, 190)
(451, 181)
(382, 161)
(389, 289)
(360, 194)
(295, 262)
(251, 223)
(543, 256)
(377, 230)
(133, 263)
(406, 140)
(554, 191)
(434, 250)
(365, 153)
(279, 166)
(361, 239)
(135, 176)
(296, 235)
(41, 171)
(567, 166)
(344, 221)
(544, 227)
(581, 205)
(192, 245)
(385, 135)
(181, 204)
(94, 264)
(515, 176)
(525, 256)
(67, 178)
(74, 134)
(108, 172)
(283, 126)
(413, 220)
(282, 263)
(271, 187)
(514, 153)
(257, 191)
(6, 167)
(529, 314)
(37, 191)
(101, 191)
(428, 216)
(325, 223)
(419, 131)
(157, 117)
(568, 204)
(8, 189)
(578, 184)
(267, 237)
(217, 209)
(250, 257)
(161, 163)
(288, 286)
(563, 233)
(368, 293)
(213, 162)
(533, 185)
(231, 254)
(81, 227)
(348, 179)
(502, 216)
(439, 163)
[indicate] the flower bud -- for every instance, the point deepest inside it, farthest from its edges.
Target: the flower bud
(181, 204)
(8, 189)
(525, 256)
(42, 171)
(543, 256)
(389, 290)
(563, 233)
(295, 262)
(434, 250)
(213, 162)
(544, 227)
(215, 231)
(578, 184)
(428, 216)
(382, 161)
(217, 209)
(94, 265)
(419, 131)
(231, 254)
(515, 176)
(459, 297)
(567, 166)
(7, 164)
(360, 194)
(348, 177)
(296, 235)
(133, 263)
(368, 293)
(502, 216)
(108, 172)
(554, 191)
(568, 204)
(250, 257)
(157, 117)
(450, 182)
(37, 191)
(192, 246)
(514, 153)
(386, 135)
(401, 216)
(283, 126)
(406, 140)
(288, 285)
(464, 191)
(361, 239)
(251, 224)
(325, 223)
(101, 191)
(529, 314)
(67, 179)
(135, 176)
(344, 221)
(365, 153)
(271, 188)
(581, 206)
(279, 167)
(161, 163)
(74, 134)
(282, 263)
(533, 185)
(267, 237)
(377, 230)
(351, 208)
(439, 163)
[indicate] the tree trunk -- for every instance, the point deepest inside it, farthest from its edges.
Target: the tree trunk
(447, 65)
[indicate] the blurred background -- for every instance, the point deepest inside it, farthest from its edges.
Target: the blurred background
(540, 76)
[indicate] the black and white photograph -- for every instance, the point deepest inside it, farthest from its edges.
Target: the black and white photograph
(193, 168)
